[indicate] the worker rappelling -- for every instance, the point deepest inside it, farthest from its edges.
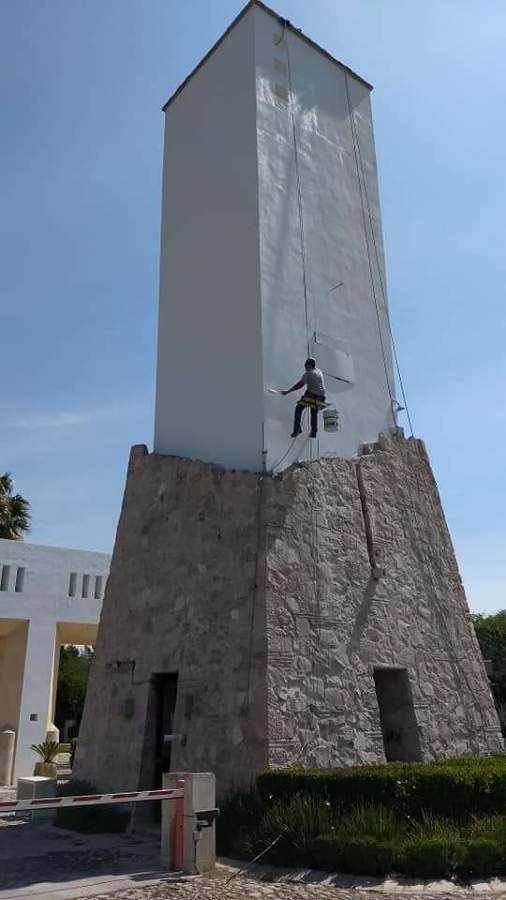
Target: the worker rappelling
(314, 397)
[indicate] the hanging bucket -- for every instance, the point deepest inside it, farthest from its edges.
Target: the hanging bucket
(330, 419)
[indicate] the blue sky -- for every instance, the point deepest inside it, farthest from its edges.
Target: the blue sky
(81, 86)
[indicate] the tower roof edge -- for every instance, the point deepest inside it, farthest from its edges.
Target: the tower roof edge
(282, 21)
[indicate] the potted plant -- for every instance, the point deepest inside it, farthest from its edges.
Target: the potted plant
(48, 751)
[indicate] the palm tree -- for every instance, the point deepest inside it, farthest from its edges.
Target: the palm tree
(14, 511)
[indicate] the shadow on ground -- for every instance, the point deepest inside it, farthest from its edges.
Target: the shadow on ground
(43, 854)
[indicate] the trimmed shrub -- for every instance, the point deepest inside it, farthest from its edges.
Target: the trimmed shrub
(368, 838)
(91, 819)
(428, 857)
(367, 856)
(240, 815)
(299, 821)
(481, 857)
(362, 855)
(327, 852)
(455, 788)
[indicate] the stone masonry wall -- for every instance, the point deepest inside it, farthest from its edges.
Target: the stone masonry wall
(379, 587)
(180, 599)
(275, 599)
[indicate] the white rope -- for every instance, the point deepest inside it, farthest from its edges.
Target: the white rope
(362, 182)
(300, 208)
(371, 272)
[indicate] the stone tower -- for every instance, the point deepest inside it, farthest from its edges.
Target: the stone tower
(259, 613)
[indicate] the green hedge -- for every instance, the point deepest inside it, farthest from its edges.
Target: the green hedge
(481, 858)
(431, 857)
(457, 788)
(311, 831)
(417, 857)
(361, 855)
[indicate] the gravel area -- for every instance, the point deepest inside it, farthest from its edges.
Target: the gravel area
(215, 887)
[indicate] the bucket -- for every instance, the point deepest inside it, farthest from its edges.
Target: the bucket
(330, 419)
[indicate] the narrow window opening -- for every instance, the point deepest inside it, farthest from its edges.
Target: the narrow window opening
(397, 715)
(20, 579)
(86, 586)
(4, 580)
(72, 584)
(98, 587)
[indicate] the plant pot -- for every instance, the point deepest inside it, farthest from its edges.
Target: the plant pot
(47, 769)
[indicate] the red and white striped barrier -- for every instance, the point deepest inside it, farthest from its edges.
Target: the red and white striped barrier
(176, 794)
(90, 799)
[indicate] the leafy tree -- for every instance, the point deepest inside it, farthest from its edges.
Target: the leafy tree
(14, 511)
(491, 634)
(72, 682)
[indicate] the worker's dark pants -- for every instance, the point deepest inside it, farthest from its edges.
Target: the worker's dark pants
(299, 409)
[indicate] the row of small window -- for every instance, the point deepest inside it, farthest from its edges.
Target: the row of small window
(86, 585)
(6, 581)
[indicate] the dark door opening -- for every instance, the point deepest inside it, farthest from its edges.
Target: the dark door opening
(397, 715)
(165, 698)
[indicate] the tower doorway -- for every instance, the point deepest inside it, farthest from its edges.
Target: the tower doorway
(165, 686)
(397, 715)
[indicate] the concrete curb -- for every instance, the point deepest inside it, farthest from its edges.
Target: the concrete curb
(343, 881)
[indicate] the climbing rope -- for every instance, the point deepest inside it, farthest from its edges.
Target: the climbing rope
(305, 421)
(364, 195)
(369, 258)
(300, 207)
(366, 206)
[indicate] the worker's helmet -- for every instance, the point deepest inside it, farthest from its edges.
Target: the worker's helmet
(310, 363)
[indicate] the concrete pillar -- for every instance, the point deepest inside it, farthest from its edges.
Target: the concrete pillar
(7, 745)
(51, 727)
(35, 788)
(12, 669)
(37, 694)
(199, 822)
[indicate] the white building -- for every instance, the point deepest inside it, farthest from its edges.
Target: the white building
(271, 250)
(49, 596)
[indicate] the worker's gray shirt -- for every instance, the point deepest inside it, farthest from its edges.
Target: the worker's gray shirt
(313, 379)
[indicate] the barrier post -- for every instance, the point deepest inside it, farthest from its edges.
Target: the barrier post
(199, 842)
(178, 836)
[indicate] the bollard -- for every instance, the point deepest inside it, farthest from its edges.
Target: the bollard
(199, 837)
(7, 744)
(53, 734)
(36, 788)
